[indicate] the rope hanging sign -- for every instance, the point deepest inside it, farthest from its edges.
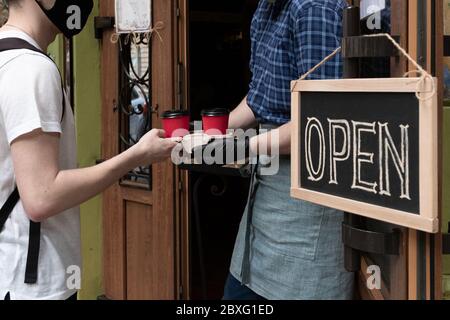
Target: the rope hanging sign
(423, 78)
(368, 146)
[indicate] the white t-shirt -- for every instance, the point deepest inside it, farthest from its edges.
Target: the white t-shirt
(31, 98)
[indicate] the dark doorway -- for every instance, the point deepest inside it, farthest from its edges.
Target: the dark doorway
(219, 47)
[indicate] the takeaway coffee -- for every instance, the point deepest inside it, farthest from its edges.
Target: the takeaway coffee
(175, 123)
(215, 121)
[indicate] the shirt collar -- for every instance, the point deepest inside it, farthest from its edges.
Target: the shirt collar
(277, 3)
(278, 6)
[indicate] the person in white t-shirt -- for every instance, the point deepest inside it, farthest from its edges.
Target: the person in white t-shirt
(38, 153)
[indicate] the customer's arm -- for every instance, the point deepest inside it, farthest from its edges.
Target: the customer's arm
(46, 190)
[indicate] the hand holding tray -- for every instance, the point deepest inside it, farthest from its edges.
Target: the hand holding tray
(225, 154)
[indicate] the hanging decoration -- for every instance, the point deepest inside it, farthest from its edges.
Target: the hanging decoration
(133, 16)
(134, 22)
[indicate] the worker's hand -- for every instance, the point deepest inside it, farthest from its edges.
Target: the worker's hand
(222, 152)
(153, 147)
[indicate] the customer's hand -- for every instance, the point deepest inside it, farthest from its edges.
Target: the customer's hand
(153, 147)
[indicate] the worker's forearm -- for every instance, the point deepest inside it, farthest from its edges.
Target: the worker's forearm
(72, 187)
(242, 117)
(277, 141)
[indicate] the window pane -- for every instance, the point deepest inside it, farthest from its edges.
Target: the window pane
(135, 100)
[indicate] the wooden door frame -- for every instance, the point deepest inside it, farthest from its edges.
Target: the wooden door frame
(398, 289)
(439, 66)
(431, 267)
(163, 99)
(407, 24)
(162, 196)
(114, 264)
(182, 177)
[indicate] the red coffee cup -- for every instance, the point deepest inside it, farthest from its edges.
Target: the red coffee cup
(215, 121)
(175, 123)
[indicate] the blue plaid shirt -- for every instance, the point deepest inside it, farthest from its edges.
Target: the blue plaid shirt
(288, 38)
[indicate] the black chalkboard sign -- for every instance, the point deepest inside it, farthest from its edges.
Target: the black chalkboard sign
(367, 146)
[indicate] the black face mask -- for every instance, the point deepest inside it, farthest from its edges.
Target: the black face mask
(69, 16)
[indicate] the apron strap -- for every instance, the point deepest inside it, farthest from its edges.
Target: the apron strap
(254, 183)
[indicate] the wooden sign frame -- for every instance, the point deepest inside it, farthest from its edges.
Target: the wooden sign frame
(427, 219)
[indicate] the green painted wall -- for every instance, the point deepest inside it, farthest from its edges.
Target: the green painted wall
(87, 105)
(87, 98)
(446, 197)
(56, 51)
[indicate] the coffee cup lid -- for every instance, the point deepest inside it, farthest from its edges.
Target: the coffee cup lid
(174, 114)
(217, 112)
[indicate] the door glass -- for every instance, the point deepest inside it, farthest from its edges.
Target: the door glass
(135, 100)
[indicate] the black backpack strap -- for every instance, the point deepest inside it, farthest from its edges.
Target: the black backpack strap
(8, 207)
(17, 44)
(34, 240)
(34, 243)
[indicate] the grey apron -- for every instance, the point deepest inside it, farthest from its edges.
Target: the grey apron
(287, 248)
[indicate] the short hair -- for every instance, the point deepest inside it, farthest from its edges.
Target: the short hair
(11, 3)
(3, 12)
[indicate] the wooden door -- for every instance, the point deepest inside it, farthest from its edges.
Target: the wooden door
(139, 211)
(393, 268)
(415, 272)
